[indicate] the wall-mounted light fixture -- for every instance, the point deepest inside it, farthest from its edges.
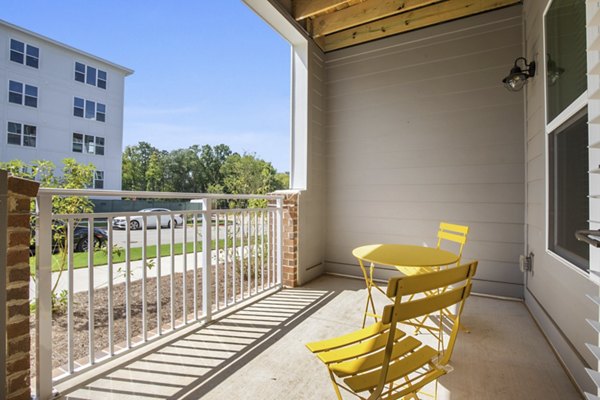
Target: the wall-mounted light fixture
(519, 74)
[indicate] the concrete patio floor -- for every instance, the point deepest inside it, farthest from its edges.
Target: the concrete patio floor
(258, 353)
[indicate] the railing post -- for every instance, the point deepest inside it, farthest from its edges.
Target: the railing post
(279, 240)
(207, 258)
(43, 313)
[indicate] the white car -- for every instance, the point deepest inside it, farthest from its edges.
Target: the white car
(136, 222)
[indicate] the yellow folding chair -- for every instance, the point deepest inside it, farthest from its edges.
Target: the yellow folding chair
(452, 237)
(448, 235)
(381, 361)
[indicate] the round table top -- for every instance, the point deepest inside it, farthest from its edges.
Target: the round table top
(404, 255)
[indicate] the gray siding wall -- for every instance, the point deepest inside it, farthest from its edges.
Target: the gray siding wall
(420, 130)
(555, 293)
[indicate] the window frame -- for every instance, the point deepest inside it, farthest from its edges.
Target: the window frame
(86, 76)
(566, 115)
(77, 142)
(90, 107)
(22, 126)
(23, 94)
(25, 53)
(98, 179)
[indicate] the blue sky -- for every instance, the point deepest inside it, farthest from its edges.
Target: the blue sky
(206, 72)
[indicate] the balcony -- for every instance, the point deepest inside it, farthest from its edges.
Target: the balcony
(226, 325)
(258, 352)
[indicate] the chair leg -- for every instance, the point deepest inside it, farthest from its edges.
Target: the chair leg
(335, 386)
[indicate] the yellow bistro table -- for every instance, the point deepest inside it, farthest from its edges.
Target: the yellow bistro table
(397, 255)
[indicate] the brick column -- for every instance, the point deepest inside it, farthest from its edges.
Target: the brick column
(290, 236)
(16, 264)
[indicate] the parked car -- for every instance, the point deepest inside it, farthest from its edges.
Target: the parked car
(80, 238)
(136, 222)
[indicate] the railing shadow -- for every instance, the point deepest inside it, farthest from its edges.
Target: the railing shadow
(190, 366)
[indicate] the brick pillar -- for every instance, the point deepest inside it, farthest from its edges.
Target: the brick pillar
(290, 236)
(16, 262)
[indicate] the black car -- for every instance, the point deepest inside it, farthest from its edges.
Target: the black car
(80, 238)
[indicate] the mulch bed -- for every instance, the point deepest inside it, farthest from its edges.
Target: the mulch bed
(101, 339)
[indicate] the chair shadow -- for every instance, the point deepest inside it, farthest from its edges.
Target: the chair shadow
(190, 366)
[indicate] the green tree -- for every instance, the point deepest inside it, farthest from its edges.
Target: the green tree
(247, 174)
(135, 163)
(72, 176)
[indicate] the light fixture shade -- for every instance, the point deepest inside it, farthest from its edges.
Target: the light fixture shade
(517, 78)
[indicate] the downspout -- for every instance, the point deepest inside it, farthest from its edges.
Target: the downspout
(526, 163)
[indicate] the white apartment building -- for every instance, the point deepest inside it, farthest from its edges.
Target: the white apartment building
(58, 102)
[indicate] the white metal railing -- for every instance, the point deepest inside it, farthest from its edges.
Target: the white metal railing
(245, 260)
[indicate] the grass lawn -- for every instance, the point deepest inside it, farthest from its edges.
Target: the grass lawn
(100, 257)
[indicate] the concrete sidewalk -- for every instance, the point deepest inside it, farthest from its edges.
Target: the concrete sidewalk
(81, 275)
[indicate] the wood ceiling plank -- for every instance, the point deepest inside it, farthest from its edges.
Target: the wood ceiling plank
(363, 13)
(307, 8)
(420, 18)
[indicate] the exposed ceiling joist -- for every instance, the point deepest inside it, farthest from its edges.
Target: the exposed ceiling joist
(362, 13)
(412, 20)
(335, 24)
(307, 8)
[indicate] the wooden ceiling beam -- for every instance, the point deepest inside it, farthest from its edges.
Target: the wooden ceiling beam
(420, 18)
(307, 8)
(363, 13)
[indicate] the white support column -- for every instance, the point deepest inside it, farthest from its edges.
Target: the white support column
(44, 298)
(279, 247)
(206, 258)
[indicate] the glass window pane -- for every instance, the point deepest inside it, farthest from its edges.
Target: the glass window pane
(32, 62)
(77, 142)
(29, 141)
(31, 90)
(14, 128)
(79, 67)
(16, 98)
(33, 51)
(16, 57)
(14, 139)
(101, 108)
(79, 77)
(569, 185)
(30, 130)
(90, 109)
(101, 84)
(16, 45)
(78, 102)
(91, 76)
(78, 112)
(100, 140)
(15, 86)
(566, 60)
(101, 74)
(89, 144)
(31, 101)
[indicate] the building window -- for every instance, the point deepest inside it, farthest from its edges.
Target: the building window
(99, 145)
(77, 142)
(569, 183)
(21, 134)
(91, 144)
(20, 93)
(567, 129)
(90, 75)
(79, 72)
(566, 56)
(99, 180)
(89, 109)
(23, 53)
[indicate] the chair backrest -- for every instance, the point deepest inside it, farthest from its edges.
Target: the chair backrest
(434, 300)
(453, 233)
